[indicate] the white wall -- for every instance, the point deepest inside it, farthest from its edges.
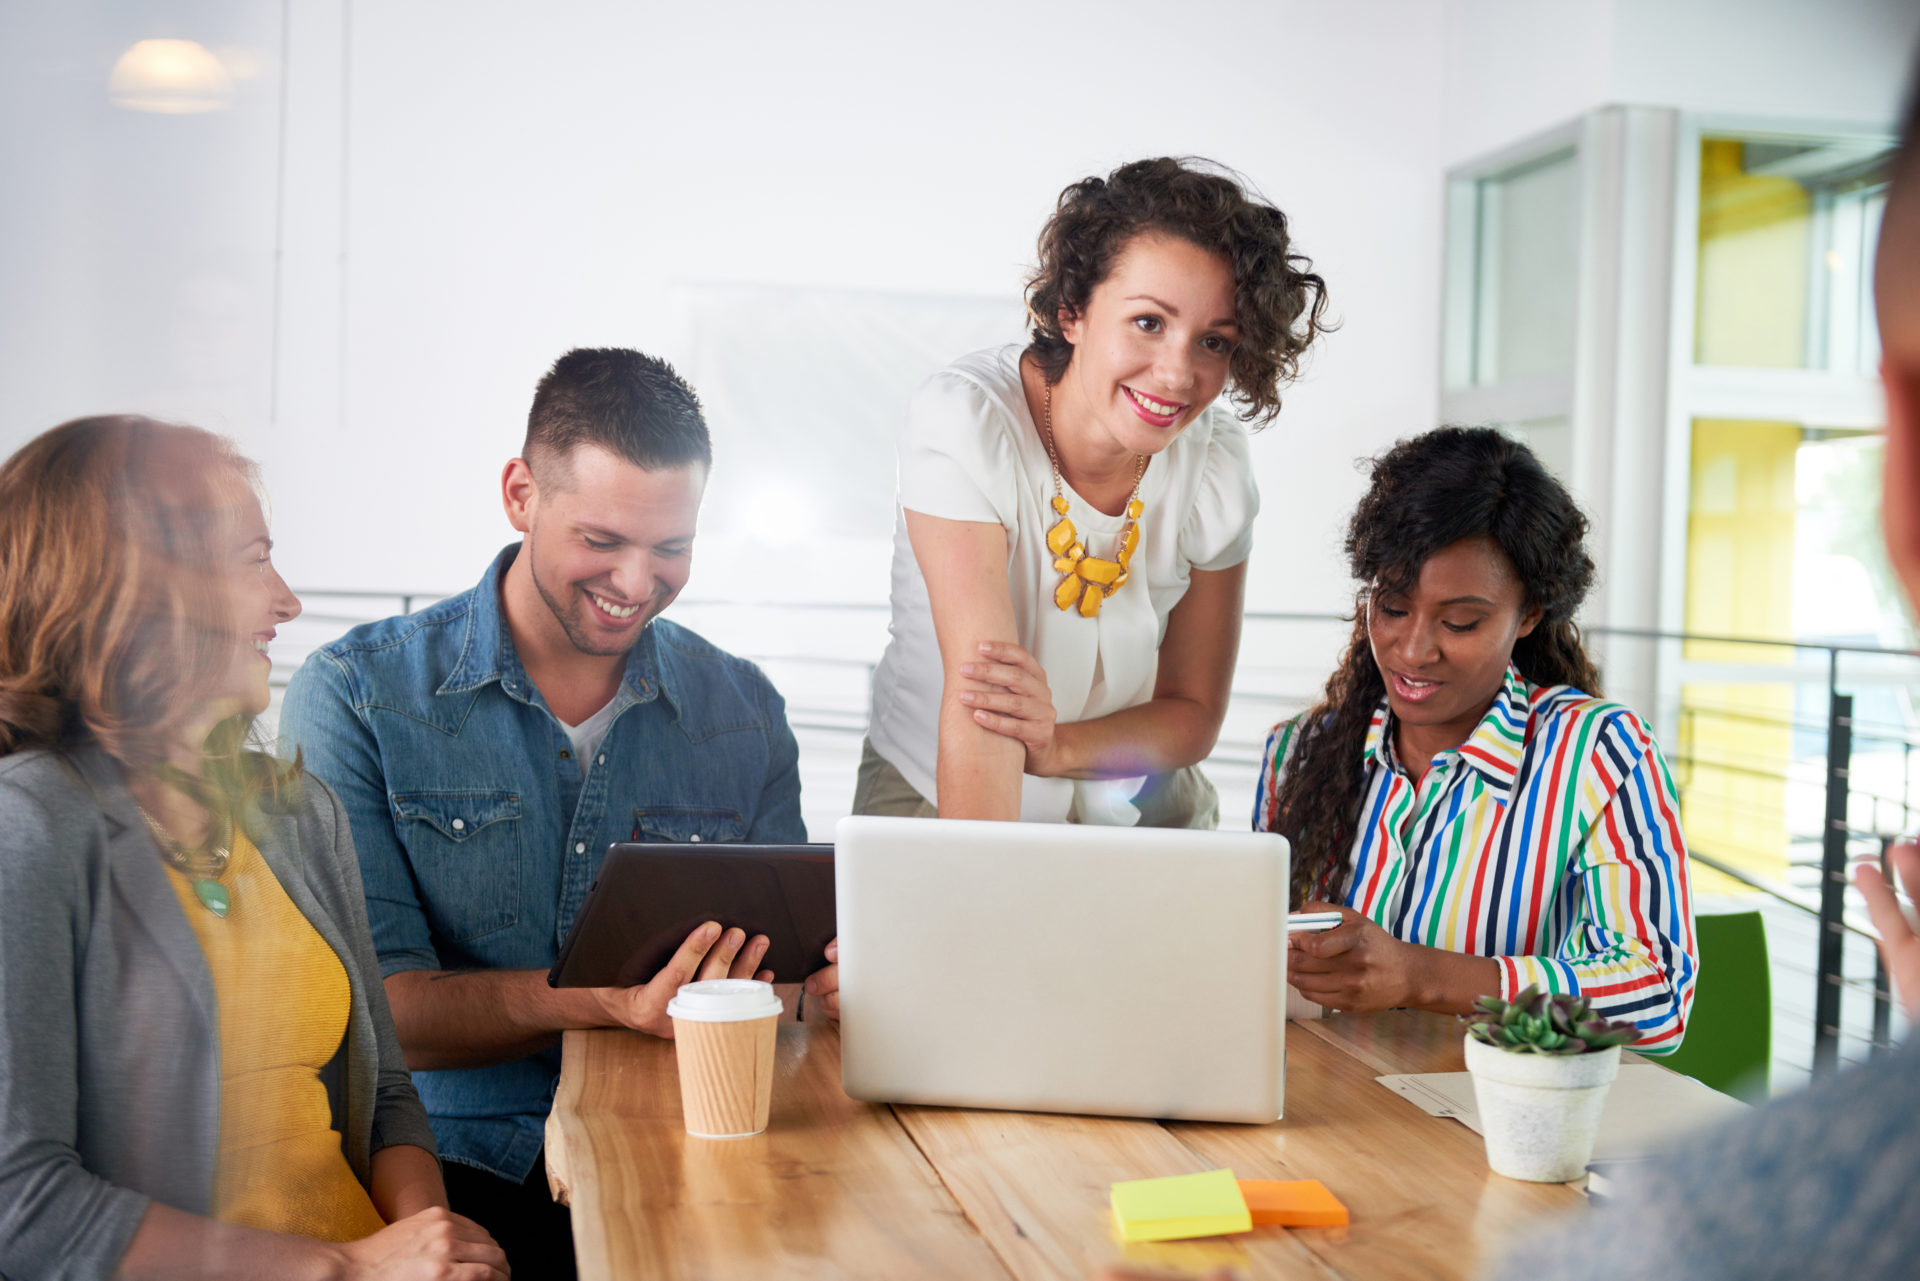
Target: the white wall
(1842, 60)
(516, 186)
(1515, 67)
(460, 191)
(136, 250)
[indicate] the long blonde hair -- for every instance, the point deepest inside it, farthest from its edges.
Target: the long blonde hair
(114, 535)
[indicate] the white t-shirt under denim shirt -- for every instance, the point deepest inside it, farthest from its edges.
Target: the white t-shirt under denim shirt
(971, 451)
(589, 734)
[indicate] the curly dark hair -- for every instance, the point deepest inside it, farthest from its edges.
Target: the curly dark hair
(1279, 302)
(1427, 494)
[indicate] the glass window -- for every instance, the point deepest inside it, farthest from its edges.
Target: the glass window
(1550, 439)
(1513, 289)
(1737, 734)
(1787, 229)
(1783, 537)
(1844, 589)
(1783, 540)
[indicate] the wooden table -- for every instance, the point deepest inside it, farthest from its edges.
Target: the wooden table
(837, 1188)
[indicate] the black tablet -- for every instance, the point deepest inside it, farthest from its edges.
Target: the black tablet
(650, 896)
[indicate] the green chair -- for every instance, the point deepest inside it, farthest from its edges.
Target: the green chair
(1729, 1041)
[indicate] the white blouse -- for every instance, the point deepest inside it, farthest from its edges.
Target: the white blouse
(971, 451)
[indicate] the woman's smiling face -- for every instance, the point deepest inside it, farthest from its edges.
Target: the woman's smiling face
(1443, 647)
(259, 601)
(1152, 346)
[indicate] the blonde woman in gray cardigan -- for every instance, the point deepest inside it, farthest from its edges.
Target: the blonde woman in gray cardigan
(198, 1071)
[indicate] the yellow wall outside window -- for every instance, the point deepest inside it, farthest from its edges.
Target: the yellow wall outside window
(1751, 299)
(1740, 548)
(1751, 309)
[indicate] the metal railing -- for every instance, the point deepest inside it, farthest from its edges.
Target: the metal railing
(812, 707)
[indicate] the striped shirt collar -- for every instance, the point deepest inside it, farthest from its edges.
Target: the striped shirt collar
(1493, 748)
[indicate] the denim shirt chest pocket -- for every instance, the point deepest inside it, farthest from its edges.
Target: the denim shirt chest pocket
(465, 849)
(689, 823)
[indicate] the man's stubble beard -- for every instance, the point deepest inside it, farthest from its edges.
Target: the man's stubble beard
(576, 627)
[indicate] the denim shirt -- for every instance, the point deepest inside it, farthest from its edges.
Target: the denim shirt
(478, 833)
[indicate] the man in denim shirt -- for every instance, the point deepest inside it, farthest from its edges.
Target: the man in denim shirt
(489, 748)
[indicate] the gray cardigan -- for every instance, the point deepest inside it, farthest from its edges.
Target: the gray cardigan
(109, 1032)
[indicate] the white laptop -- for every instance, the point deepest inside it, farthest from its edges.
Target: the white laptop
(1063, 968)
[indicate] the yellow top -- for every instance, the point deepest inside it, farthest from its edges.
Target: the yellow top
(283, 998)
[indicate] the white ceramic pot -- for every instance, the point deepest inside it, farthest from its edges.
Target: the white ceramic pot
(1539, 1112)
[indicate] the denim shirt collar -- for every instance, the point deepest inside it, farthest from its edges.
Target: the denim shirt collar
(488, 653)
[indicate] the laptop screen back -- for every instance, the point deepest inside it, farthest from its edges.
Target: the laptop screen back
(1065, 968)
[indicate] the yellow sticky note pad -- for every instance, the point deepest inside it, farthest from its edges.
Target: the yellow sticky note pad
(1304, 1203)
(1187, 1205)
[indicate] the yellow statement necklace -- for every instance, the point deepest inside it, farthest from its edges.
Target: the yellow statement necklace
(1087, 580)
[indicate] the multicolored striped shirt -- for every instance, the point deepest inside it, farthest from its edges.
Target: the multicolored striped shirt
(1549, 840)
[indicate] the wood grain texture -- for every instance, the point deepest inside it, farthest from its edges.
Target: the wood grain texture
(1422, 1200)
(1037, 1187)
(1399, 1041)
(839, 1188)
(1390, 1042)
(834, 1188)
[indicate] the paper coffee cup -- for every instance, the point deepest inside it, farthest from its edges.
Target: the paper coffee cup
(723, 1037)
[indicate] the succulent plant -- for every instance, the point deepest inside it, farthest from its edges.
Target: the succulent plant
(1534, 1022)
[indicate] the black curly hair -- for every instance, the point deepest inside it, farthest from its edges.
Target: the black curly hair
(1278, 301)
(1427, 494)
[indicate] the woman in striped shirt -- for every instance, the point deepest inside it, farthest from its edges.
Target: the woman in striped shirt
(1480, 817)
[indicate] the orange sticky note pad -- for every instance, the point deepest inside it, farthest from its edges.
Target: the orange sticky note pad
(1301, 1203)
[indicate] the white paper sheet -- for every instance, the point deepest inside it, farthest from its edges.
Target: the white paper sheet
(1647, 1107)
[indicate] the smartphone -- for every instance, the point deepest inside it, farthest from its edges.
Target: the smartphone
(1312, 922)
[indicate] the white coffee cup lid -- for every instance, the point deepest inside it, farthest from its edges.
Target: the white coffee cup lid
(724, 1001)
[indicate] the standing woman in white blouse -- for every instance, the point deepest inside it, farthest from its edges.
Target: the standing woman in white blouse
(1076, 515)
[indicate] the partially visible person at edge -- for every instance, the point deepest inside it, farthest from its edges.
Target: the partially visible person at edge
(1826, 1182)
(1076, 514)
(489, 748)
(1480, 818)
(198, 1072)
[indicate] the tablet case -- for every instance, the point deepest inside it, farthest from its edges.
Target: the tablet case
(650, 896)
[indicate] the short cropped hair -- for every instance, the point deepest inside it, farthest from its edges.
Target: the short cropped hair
(1279, 302)
(631, 405)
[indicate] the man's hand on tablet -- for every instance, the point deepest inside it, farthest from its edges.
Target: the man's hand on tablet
(823, 986)
(707, 954)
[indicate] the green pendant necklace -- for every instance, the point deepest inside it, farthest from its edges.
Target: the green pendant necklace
(203, 868)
